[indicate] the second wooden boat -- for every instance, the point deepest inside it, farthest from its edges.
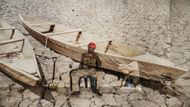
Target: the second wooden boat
(115, 55)
(17, 58)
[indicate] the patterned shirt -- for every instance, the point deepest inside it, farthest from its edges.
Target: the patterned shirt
(89, 60)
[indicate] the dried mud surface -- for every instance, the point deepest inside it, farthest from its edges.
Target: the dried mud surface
(158, 27)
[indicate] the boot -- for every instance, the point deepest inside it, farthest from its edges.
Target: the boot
(98, 93)
(75, 93)
(93, 84)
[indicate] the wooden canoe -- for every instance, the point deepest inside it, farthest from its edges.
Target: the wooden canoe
(113, 53)
(17, 59)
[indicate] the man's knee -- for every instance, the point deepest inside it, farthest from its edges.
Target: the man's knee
(99, 75)
(74, 72)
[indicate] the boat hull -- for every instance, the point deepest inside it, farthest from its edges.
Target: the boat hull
(17, 59)
(18, 75)
(112, 62)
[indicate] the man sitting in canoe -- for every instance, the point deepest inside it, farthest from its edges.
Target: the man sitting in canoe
(89, 65)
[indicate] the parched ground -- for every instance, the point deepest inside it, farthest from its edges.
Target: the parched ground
(158, 27)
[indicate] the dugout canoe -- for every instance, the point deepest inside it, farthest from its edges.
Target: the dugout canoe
(17, 59)
(115, 54)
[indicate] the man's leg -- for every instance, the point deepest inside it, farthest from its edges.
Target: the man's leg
(135, 81)
(74, 77)
(97, 76)
(129, 82)
(93, 83)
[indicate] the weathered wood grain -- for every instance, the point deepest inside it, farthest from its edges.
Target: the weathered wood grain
(19, 61)
(118, 52)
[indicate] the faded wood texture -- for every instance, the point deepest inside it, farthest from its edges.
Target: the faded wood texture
(17, 59)
(150, 66)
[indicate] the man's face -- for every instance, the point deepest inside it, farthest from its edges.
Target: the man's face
(90, 50)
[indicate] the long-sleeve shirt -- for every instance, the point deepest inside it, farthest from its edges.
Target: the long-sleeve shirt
(89, 60)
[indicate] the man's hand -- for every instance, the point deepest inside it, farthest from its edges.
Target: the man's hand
(98, 69)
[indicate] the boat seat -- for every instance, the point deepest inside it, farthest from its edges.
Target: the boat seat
(65, 32)
(48, 27)
(6, 48)
(11, 41)
(9, 28)
(37, 25)
(99, 41)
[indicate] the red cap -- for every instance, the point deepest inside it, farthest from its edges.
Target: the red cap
(92, 45)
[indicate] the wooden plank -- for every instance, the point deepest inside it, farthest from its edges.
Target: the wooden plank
(11, 41)
(9, 28)
(58, 33)
(47, 24)
(100, 41)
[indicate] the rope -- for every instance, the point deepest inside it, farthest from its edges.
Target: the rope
(46, 41)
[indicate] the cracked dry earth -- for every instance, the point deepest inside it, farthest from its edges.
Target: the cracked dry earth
(144, 23)
(12, 94)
